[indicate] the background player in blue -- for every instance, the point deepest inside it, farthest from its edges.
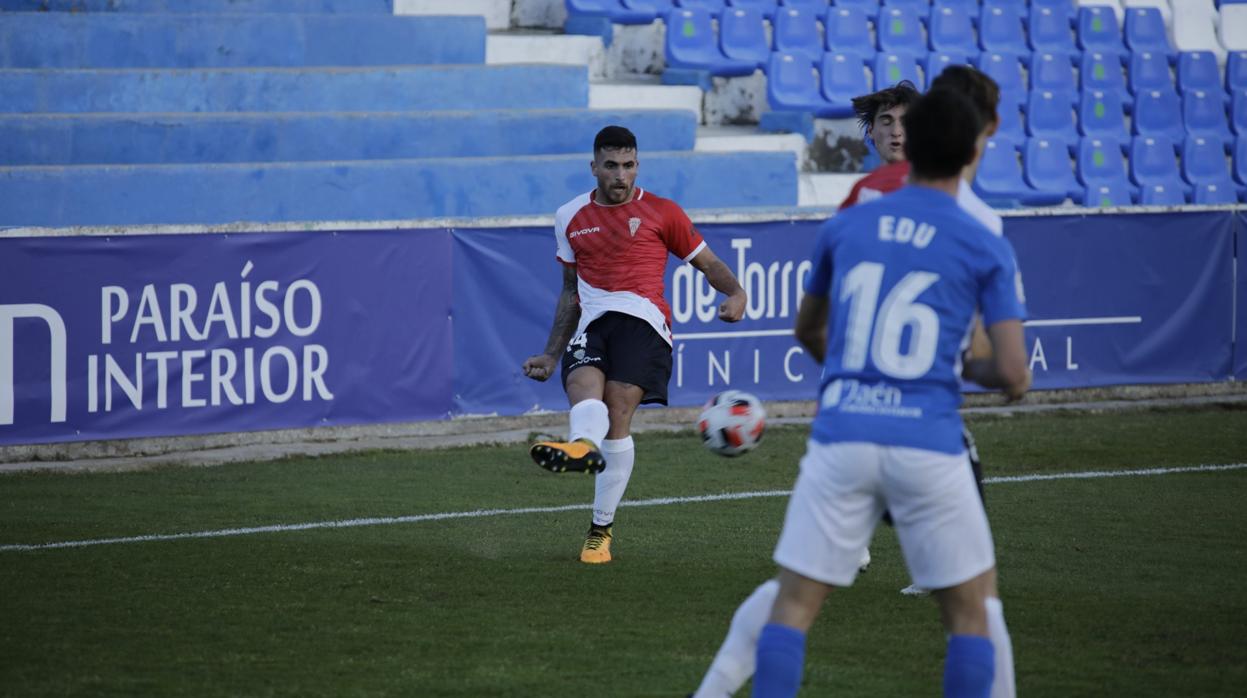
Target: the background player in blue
(889, 307)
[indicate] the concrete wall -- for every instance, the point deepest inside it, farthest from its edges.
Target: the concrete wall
(199, 6)
(371, 190)
(47, 139)
(294, 89)
(114, 40)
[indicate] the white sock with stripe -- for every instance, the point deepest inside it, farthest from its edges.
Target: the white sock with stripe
(589, 419)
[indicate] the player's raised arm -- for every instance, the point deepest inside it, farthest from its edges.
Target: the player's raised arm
(566, 316)
(724, 281)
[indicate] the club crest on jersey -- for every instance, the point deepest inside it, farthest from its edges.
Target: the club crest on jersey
(633, 225)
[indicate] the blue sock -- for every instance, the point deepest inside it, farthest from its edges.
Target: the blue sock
(969, 667)
(781, 656)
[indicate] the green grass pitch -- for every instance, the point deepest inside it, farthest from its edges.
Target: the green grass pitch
(1125, 586)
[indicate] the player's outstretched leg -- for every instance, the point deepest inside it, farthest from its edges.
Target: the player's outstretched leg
(734, 662)
(579, 456)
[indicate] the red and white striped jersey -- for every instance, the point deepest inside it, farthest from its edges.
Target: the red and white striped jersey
(620, 253)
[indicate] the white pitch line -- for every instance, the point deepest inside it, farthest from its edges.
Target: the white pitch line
(481, 513)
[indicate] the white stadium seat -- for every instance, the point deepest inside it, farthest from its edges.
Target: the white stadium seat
(1233, 29)
(1195, 31)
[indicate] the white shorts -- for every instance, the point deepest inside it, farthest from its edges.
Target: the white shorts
(842, 492)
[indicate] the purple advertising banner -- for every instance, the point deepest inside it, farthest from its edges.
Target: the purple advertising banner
(153, 335)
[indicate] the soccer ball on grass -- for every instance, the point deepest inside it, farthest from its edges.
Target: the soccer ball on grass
(732, 423)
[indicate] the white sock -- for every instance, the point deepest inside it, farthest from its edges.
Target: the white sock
(1003, 685)
(734, 663)
(589, 420)
(609, 485)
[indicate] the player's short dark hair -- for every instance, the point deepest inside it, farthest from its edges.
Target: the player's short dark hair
(941, 130)
(614, 138)
(973, 84)
(867, 107)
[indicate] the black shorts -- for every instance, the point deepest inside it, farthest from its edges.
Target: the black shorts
(627, 349)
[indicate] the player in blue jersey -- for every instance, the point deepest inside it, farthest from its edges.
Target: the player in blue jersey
(889, 307)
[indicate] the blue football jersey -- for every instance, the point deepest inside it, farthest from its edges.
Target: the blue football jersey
(904, 275)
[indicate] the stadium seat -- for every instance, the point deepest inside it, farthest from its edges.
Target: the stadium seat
(1050, 32)
(899, 31)
(1001, 31)
(1213, 193)
(1203, 113)
(1016, 5)
(1145, 31)
(1236, 72)
(1204, 161)
(920, 7)
(814, 6)
(1158, 113)
(1152, 165)
(691, 44)
(970, 7)
(937, 61)
(867, 7)
(796, 33)
(1240, 161)
(1101, 160)
(1195, 31)
(848, 32)
(1114, 5)
(891, 68)
(1006, 70)
(951, 30)
(1233, 27)
(712, 7)
(615, 10)
(1101, 115)
(1198, 70)
(999, 177)
(1161, 6)
(742, 36)
(1011, 126)
(1103, 73)
(1238, 113)
(843, 78)
(1050, 115)
(791, 85)
(660, 8)
(1099, 31)
(1049, 171)
(1107, 194)
(1052, 71)
(1149, 71)
(766, 8)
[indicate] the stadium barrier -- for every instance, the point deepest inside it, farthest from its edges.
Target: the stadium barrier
(368, 190)
(110, 334)
(403, 88)
(114, 40)
(132, 139)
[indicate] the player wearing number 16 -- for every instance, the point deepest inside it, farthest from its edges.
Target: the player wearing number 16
(889, 306)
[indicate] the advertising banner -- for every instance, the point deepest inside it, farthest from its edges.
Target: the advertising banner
(153, 335)
(1240, 299)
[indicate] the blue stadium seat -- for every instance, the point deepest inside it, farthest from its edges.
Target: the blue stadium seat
(796, 33)
(1006, 70)
(1145, 31)
(899, 30)
(1203, 113)
(813, 6)
(742, 36)
(1236, 72)
(869, 7)
(1015, 5)
(1152, 165)
(713, 7)
(1050, 32)
(1066, 8)
(1104, 73)
(1098, 30)
(1212, 193)
(999, 177)
(1001, 31)
(970, 7)
(1108, 194)
(951, 30)
(1158, 113)
(921, 7)
(1240, 161)
(1149, 71)
(1203, 160)
(1238, 113)
(1101, 160)
(1101, 115)
(848, 32)
(660, 8)
(1050, 115)
(615, 10)
(1011, 126)
(843, 78)
(691, 44)
(766, 8)
(1049, 170)
(1198, 70)
(791, 85)
(937, 61)
(891, 68)
(1052, 71)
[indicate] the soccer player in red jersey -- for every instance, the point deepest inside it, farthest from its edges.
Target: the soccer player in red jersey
(879, 114)
(612, 324)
